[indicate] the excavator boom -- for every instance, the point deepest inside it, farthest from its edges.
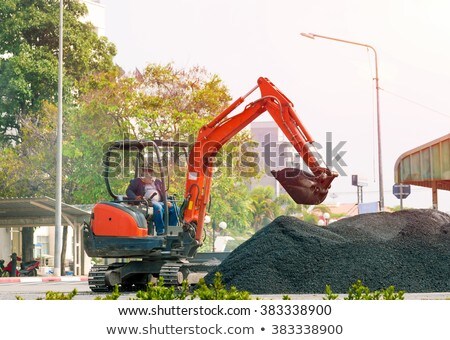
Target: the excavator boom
(303, 187)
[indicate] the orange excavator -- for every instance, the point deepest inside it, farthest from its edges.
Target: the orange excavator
(122, 228)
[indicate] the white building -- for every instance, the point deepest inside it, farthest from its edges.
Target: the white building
(274, 150)
(97, 15)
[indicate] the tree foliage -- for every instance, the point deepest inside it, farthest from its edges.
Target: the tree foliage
(29, 47)
(178, 101)
(29, 43)
(28, 169)
(102, 104)
(162, 103)
(264, 207)
(288, 206)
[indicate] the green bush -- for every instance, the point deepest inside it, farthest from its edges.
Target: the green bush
(203, 291)
(113, 296)
(358, 291)
(60, 296)
(218, 291)
(160, 292)
(329, 295)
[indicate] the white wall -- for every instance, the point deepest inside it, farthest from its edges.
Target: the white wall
(5, 244)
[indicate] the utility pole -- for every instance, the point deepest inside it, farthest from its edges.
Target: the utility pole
(58, 227)
(377, 87)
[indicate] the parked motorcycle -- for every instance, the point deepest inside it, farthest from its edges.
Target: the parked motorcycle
(3, 271)
(28, 268)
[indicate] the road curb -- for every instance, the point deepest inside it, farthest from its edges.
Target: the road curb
(43, 279)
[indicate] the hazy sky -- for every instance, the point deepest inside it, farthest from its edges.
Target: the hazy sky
(330, 83)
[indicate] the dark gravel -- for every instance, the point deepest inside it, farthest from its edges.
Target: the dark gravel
(409, 249)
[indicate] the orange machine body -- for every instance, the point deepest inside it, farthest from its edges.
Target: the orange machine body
(111, 219)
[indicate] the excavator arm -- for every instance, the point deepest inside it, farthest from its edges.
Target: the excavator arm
(303, 187)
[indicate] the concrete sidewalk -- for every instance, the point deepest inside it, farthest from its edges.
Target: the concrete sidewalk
(22, 279)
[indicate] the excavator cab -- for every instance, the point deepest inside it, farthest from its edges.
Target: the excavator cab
(123, 159)
(117, 224)
(122, 227)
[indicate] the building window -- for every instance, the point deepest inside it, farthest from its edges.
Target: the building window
(41, 247)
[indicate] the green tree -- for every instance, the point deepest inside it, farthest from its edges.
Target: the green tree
(288, 206)
(29, 42)
(230, 196)
(28, 169)
(29, 47)
(231, 203)
(264, 206)
(103, 115)
(163, 102)
(177, 102)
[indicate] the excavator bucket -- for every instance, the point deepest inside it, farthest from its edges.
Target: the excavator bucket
(303, 187)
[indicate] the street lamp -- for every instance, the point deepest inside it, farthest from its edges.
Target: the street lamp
(380, 167)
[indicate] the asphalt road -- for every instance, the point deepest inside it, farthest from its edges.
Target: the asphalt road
(37, 290)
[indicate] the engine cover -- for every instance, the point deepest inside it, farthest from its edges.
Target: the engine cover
(115, 219)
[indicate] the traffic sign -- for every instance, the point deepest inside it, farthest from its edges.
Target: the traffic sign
(358, 181)
(401, 190)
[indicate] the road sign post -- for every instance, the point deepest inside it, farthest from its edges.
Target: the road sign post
(401, 191)
(359, 183)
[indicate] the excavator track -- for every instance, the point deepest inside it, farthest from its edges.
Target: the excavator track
(96, 279)
(171, 273)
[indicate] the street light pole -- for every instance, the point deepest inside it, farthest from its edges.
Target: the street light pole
(58, 198)
(377, 87)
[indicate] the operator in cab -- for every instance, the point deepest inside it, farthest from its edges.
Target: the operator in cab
(150, 188)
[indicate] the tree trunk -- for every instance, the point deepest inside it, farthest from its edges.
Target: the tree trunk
(63, 250)
(27, 244)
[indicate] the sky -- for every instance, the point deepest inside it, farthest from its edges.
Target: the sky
(330, 83)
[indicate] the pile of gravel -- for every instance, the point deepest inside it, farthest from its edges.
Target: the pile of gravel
(386, 226)
(409, 249)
